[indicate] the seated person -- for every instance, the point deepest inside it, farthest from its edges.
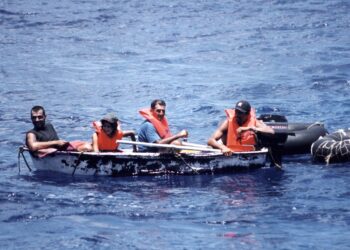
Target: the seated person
(43, 137)
(238, 131)
(107, 131)
(155, 128)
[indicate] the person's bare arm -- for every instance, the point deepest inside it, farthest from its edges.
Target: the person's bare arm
(35, 145)
(263, 128)
(213, 140)
(259, 127)
(182, 134)
(131, 134)
(95, 143)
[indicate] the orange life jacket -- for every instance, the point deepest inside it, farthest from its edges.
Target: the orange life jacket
(106, 143)
(162, 127)
(247, 140)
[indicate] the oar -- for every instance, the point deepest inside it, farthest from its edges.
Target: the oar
(194, 145)
(156, 145)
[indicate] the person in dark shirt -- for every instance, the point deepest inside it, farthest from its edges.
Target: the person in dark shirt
(43, 135)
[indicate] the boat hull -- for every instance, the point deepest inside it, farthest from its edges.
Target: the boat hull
(128, 164)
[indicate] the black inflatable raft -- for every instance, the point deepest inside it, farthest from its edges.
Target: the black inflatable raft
(290, 138)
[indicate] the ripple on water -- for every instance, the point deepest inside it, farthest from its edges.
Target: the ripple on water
(208, 109)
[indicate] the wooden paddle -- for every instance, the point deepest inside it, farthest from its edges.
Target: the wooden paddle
(184, 143)
(170, 146)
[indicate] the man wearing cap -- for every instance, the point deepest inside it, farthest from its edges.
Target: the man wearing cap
(238, 131)
(107, 131)
(155, 128)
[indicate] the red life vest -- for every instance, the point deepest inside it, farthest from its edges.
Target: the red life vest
(247, 140)
(162, 127)
(106, 143)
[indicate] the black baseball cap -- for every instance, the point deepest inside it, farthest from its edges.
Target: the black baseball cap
(243, 106)
(111, 118)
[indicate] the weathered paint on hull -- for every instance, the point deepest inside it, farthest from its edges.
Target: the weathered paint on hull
(122, 164)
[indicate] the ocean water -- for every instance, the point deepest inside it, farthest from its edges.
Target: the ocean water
(83, 58)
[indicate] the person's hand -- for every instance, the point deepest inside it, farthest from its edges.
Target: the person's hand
(183, 133)
(62, 143)
(226, 151)
(241, 129)
(119, 126)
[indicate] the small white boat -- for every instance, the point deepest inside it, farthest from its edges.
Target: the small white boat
(138, 163)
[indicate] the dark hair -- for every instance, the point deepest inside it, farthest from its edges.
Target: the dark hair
(114, 125)
(157, 101)
(36, 109)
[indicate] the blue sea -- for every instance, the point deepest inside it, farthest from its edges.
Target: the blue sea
(81, 59)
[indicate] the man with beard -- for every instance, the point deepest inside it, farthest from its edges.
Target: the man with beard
(238, 131)
(43, 135)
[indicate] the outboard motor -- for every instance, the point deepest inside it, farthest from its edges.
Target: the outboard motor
(274, 142)
(272, 118)
(290, 138)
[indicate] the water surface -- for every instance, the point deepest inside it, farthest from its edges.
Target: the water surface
(82, 59)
